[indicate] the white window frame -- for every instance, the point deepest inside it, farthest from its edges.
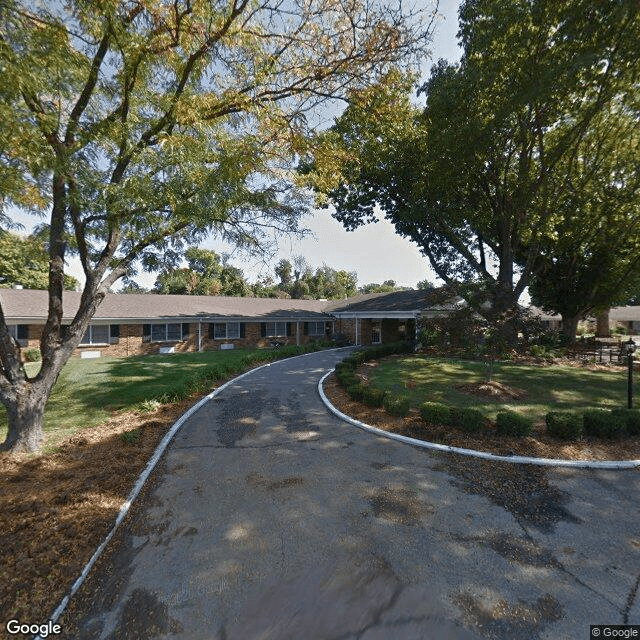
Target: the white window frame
(13, 332)
(316, 324)
(92, 340)
(376, 328)
(273, 331)
(166, 326)
(229, 333)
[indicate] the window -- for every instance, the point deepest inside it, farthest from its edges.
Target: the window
(20, 333)
(169, 332)
(226, 330)
(376, 332)
(96, 334)
(275, 329)
(315, 328)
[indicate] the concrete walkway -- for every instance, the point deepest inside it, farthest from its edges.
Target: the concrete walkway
(271, 519)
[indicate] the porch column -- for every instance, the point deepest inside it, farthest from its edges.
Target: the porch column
(199, 336)
(297, 332)
(357, 330)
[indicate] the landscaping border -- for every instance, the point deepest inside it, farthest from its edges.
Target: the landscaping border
(547, 462)
(153, 461)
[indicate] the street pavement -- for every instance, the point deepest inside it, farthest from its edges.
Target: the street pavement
(271, 519)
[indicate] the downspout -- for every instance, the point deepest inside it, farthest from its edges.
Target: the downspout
(199, 336)
(357, 326)
(298, 333)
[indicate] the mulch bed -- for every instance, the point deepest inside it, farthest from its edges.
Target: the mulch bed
(538, 444)
(55, 509)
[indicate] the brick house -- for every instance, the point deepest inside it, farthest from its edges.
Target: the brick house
(130, 324)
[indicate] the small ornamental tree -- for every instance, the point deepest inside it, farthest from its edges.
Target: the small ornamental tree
(137, 127)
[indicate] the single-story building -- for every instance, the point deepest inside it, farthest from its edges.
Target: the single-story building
(129, 324)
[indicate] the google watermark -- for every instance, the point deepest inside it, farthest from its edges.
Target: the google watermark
(43, 630)
(615, 631)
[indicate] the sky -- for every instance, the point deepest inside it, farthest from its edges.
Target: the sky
(361, 250)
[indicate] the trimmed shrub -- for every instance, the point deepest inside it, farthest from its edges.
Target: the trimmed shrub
(396, 405)
(356, 391)
(632, 418)
(566, 425)
(604, 424)
(32, 354)
(510, 423)
(435, 412)
(373, 397)
(468, 419)
(347, 379)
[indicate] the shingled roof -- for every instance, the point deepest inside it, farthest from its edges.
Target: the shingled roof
(410, 301)
(26, 305)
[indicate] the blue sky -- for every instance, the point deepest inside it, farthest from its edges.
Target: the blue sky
(361, 250)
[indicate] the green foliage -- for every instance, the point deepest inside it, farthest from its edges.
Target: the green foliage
(510, 423)
(25, 261)
(631, 418)
(373, 397)
(396, 405)
(604, 424)
(566, 425)
(130, 437)
(467, 418)
(31, 354)
(435, 413)
(357, 391)
(483, 169)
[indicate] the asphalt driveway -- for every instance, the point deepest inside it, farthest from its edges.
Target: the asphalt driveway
(271, 519)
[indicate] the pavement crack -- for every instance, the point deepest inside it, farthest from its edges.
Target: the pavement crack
(630, 600)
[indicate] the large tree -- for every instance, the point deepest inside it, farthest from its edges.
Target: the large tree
(137, 126)
(24, 263)
(591, 259)
(207, 274)
(474, 177)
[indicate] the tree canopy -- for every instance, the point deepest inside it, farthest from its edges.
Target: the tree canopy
(137, 127)
(475, 177)
(23, 262)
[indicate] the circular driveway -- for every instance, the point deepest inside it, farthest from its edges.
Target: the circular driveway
(269, 518)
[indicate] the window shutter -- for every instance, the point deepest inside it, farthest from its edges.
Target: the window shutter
(114, 330)
(23, 332)
(289, 328)
(211, 331)
(185, 330)
(263, 329)
(242, 330)
(146, 330)
(305, 328)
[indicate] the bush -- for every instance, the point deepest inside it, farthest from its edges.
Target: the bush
(564, 424)
(510, 423)
(435, 413)
(356, 391)
(347, 379)
(130, 437)
(604, 424)
(396, 405)
(467, 419)
(32, 354)
(631, 417)
(373, 397)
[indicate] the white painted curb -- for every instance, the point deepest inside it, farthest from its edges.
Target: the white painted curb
(547, 462)
(157, 454)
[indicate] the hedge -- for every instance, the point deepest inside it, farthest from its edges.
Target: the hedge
(396, 405)
(510, 423)
(435, 412)
(566, 425)
(604, 424)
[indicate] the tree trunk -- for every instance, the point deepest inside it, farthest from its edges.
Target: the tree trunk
(570, 326)
(25, 414)
(602, 324)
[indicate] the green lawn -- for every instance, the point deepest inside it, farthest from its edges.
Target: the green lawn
(88, 391)
(548, 388)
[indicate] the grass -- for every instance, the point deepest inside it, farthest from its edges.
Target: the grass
(554, 388)
(89, 391)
